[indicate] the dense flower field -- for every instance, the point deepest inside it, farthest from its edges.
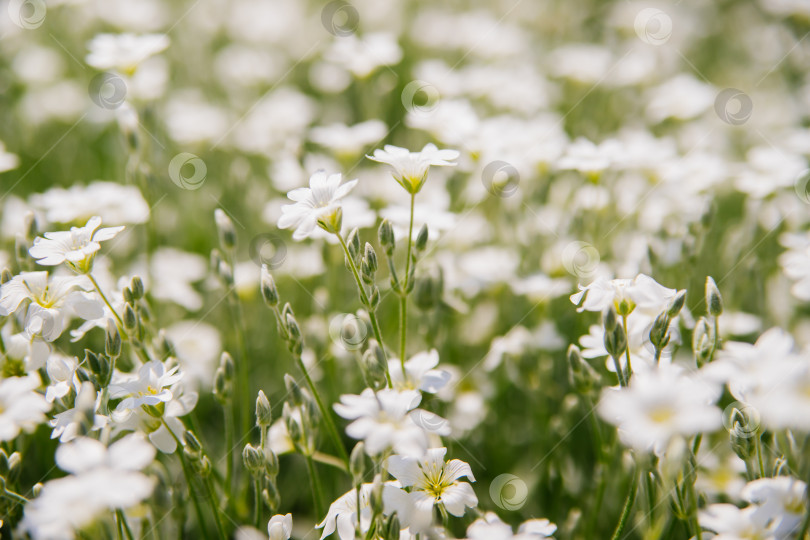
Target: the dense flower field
(404, 270)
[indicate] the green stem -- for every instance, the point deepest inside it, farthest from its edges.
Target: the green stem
(627, 350)
(693, 504)
(325, 413)
(13, 496)
(212, 501)
(760, 461)
(257, 508)
(357, 502)
(371, 312)
(189, 482)
(316, 487)
(229, 442)
(628, 506)
(243, 377)
(403, 300)
(122, 523)
(619, 371)
(104, 297)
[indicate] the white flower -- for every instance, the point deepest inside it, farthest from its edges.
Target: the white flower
(780, 501)
(490, 527)
(363, 55)
(419, 373)
(411, 168)
(102, 479)
(62, 374)
(346, 140)
(124, 52)
(66, 424)
(431, 482)
(641, 292)
(388, 419)
(280, 527)
(21, 406)
(112, 202)
(317, 205)
(197, 346)
(148, 387)
(342, 514)
(660, 404)
(47, 302)
(8, 160)
(76, 247)
(732, 523)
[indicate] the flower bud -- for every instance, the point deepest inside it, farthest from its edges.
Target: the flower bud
(192, 442)
(357, 462)
(294, 390)
(702, 341)
(127, 294)
(376, 498)
(271, 497)
(130, 318)
(253, 459)
(227, 233)
(676, 304)
(264, 414)
(393, 529)
(226, 363)
(268, 285)
(713, 299)
(386, 235)
(659, 333)
(422, 238)
(610, 319)
(271, 466)
(112, 344)
(222, 387)
(353, 243)
(137, 288)
(582, 375)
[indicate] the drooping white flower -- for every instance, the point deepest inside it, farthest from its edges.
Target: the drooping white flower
(411, 168)
(660, 404)
(317, 205)
(431, 481)
(124, 52)
(389, 419)
(76, 247)
(280, 527)
(101, 479)
(22, 408)
(419, 373)
(642, 293)
(150, 386)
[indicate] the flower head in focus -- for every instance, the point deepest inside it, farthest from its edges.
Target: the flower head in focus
(420, 373)
(342, 514)
(641, 292)
(148, 387)
(76, 247)
(317, 205)
(430, 481)
(411, 168)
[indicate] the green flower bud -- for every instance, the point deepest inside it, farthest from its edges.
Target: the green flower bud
(130, 318)
(357, 462)
(227, 233)
(610, 319)
(268, 285)
(713, 299)
(422, 238)
(676, 304)
(271, 497)
(192, 442)
(253, 459)
(353, 243)
(264, 414)
(112, 344)
(271, 466)
(386, 235)
(137, 288)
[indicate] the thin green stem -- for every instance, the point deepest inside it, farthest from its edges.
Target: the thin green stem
(693, 505)
(760, 461)
(316, 487)
(403, 300)
(627, 350)
(628, 506)
(212, 501)
(13, 496)
(104, 297)
(372, 315)
(357, 502)
(257, 507)
(325, 413)
(229, 443)
(619, 371)
(122, 523)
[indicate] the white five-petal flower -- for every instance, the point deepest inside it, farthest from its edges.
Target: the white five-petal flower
(76, 247)
(411, 168)
(317, 205)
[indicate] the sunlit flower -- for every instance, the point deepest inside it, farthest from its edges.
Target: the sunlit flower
(22, 408)
(419, 373)
(76, 247)
(280, 527)
(150, 386)
(431, 482)
(490, 527)
(317, 205)
(342, 514)
(641, 292)
(411, 168)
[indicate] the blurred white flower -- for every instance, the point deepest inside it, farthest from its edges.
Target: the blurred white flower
(124, 52)
(660, 404)
(342, 514)
(642, 293)
(110, 201)
(62, 374)
(22, 408)
(363, 55)
(780, 501)
(683, 97)
(197, 346)
(732, 523)
(8, 160)
(411, 168)
(431, 482)
(490, 527)
(384, 420)
(318, 205)
(76, 247)
(419, 373)
(346, 140)
(101, 479)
